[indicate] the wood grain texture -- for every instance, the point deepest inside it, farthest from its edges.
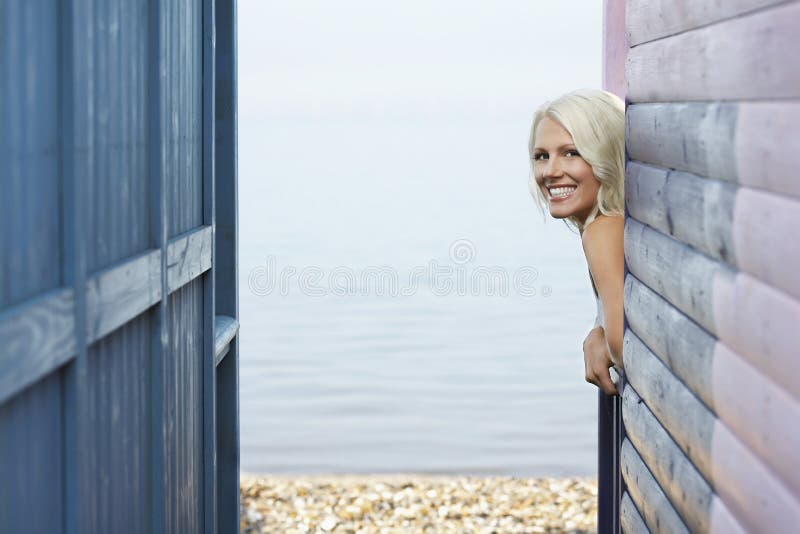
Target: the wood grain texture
(36, 337)
(749, 488)
(649, 499)
(754, 144)
(694, 210)
(686, 488)
(226, 258)
(759, 323)
(762, 224)
(188, 256)
(689, 422)
(735, 225)
(630, 520)
(209, 279)
(757, 411)
(648, 20)
(678, 341)
(689, 136)
(226, 328)
(30, 239)
(725, 61)
(118, 446)
(679, 273)
(753, 406)
(32, 458)
(752, 318)
(118, 294)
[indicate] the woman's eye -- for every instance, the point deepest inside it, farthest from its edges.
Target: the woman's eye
(573, 153)
(541, 156)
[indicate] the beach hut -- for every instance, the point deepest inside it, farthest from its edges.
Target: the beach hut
(710, 440)
(118, 306)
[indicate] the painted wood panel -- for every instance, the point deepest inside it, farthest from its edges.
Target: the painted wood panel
(751, 405)
(107, 412)
(183, 411)
(31, 459)
(724, 61)
(686, 488)
(37, 337)
(630, 520)
(709, 444)
(119, 417)
(712, 293)
(736, 225)
(30, 242)
(753, 144)
(656, 509)
(751, 318)
(648, 20)
(115, 92)
(182, 113)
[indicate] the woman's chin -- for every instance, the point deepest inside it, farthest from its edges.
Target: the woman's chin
(559, 213)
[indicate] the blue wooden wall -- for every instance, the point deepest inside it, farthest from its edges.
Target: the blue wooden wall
(118, 308)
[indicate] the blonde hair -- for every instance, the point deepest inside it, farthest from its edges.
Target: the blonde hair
(596, 121)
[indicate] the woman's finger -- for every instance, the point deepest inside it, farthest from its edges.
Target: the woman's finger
(605, 383)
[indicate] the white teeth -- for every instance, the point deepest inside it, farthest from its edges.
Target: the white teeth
(561, 192)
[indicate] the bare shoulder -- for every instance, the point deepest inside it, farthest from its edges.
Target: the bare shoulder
(603, 231)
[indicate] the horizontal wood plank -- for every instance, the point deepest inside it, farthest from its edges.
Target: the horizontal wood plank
(694, 210)
(753, 319)
(683, 484)
(736, 225)
(116, 295)
(753, 144)
(656, 510)
(745, 58)
(749, 488)
(679, 273)
(38, 335)
(226, 328)
(689, 422)
(629, 519)
(679, 342)
(647, 20)
(753, 406)
(759, 323)
(188, 256)
(35, 337)
(757, 410)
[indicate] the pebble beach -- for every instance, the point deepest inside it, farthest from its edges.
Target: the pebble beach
(395, 504)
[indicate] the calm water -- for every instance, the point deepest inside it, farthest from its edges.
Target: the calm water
(424, 382)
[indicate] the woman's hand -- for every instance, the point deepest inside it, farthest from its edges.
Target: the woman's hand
(597, 360)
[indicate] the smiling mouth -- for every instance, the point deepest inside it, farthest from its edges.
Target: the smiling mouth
(561, 193)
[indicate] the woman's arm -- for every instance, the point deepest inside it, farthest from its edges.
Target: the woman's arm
(603, 246)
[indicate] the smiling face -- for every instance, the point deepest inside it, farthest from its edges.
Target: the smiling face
(565, 179)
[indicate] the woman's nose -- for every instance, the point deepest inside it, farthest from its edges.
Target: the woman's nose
(552, 168)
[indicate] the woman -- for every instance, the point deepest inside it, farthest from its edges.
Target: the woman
(577, 150)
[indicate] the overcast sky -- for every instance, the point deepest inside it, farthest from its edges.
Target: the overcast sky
(356, 57)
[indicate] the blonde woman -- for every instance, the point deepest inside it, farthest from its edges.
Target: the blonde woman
(577, 150)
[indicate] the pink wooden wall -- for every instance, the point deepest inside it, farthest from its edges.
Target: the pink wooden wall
(712, 291)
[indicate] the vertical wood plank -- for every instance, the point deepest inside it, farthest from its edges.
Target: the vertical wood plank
(226, 263)
(158, 240)
(209, 334)
(75, 131)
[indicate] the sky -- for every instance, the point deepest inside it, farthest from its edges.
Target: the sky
(371, 58)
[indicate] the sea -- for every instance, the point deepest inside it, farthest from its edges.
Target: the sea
(405, 306)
